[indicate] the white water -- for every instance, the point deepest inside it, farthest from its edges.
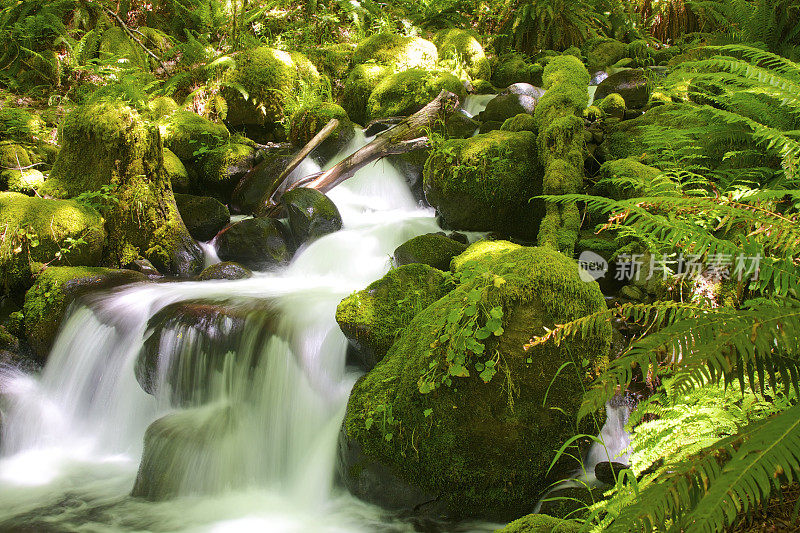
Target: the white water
(73, 437)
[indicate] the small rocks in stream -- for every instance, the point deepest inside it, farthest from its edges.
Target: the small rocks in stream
(225, 270)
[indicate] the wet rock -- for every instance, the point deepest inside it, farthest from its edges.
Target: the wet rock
(371, 318)
(204, 216)
(433, 249)
(505, 106)
(311, 214)
(218, 171)
(257, 243)
(310, 119)
(631, 84)
(254, 185)
(525, 89)
(607, 471)
(145, 267)
(225, 270)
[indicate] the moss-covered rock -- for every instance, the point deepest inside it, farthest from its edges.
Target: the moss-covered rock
(409, 91)
(186, 133)
(108, 145)
(250, 190)
(521, 122)
(270, 79)
(176, 171)
(13, 156)
(612, 105)
(631, 84)
(257, 243)
(332, 59)
(541, 523)
(484, 183)
(161, 107)
(463, 48)
(311, 214)
(358, 86)
(54, 290)
(465, 412)
(622, 179)
(504, 106)
(604, 54)
(63, 231)
(225, 270)
(204, 216)
(220, 170)
(515, 68)
(372, 318)
(26, 181)
(396, 51)
(434, 249)
(310, 119)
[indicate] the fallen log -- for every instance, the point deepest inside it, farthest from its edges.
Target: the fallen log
(407, 135)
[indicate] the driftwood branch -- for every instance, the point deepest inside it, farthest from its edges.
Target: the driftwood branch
(407, 135)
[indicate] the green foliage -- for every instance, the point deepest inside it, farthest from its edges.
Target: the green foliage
(535, 25)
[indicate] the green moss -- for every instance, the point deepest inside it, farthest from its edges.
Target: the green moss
(221, 169)
(161, 106)
(409, 91)
(115, 44)
(310, 119)
(432, 249)
(333, 59)
(622, 179)
(19, 124)
(521, 122)
(13, 156)
(515, 68)
(359, 86)
(461, 47)
(373, 317)
(565, 70)
(541, 523)
(396, 51)
(25, 181)
(271, 79)
(604, 54)
(53, 291)
(176, 171)
(565, 99)
(185, 133)
(482, 454)
(478, 253)
(485, 182)
(612, 105)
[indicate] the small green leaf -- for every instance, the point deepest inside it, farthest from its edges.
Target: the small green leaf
(427, 412)
(368, 423)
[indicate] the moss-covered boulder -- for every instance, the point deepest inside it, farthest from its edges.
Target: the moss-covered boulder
(176, 171)
(54, 290)
(434, 249)
(541, 523)
(187, 134)
(604, 54)
(358, 86)
(13, 156)
(310, 119)
(161, 106)
(612, 105)
(463, 48)
(457, 407)
(220, 170)
(26, 181)
(407, 92)
(372, 318)
(270, 78)
(204, 216)
(484, 183)
(257, 243)
(398, 52)
(521, 122)
(225, 270)
(627, 178)
(109, 145)
(332, 59)
(311, 214)
(45, 231)
(247, 194)
(515, 68)
(504, 106)
(631, 84)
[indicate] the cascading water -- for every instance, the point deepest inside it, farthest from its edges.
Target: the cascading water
(240, 432)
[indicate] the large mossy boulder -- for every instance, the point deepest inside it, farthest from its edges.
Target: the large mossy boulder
(504, 106)
(627, 178)
(176, 171)
(457, 409)
(270, 78)
(541, 523)
(62, 232)
(310, 119)
(463, 48)
(515, 68)
(631, 84)
(407, 92)
(358, 86)
(186, 134)
(220, 170)
(372, 318)
(434, 249)
(603, 54)
(486, 182)
(55, 288)
(108, 145)
(311, 214)
(204, 216)
(257, 243)
(398, 52)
